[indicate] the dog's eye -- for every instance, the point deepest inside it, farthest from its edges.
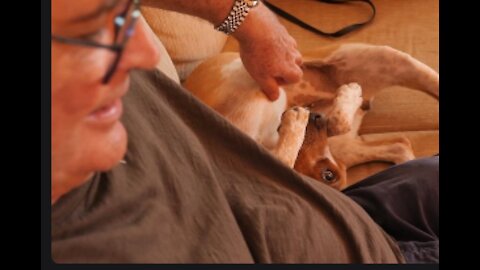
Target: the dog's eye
(328, 176)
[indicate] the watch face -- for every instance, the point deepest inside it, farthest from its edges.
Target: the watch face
(252, 3)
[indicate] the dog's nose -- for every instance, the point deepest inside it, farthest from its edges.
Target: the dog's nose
(365, 105)
(316, 119)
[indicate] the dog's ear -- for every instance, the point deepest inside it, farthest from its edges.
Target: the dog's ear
(320, 66)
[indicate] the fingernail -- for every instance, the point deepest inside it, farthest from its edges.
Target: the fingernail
(273, 97)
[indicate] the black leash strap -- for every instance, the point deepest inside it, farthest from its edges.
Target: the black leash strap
(305, 25)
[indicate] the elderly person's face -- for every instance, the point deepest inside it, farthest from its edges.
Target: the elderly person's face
(87, 135)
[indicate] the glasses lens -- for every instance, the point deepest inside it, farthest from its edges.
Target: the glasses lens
(124, 27)
(125, 22)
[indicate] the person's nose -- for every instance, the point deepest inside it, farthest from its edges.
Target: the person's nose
(141, 51)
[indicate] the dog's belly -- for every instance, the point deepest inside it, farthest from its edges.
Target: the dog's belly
(256, 116)
(224, 85)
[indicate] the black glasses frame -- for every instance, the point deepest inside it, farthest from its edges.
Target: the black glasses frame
(117, 47)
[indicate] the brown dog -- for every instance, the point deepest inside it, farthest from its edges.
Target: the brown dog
(313, 126)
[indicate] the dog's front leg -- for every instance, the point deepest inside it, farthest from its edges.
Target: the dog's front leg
(291, 135)
(342, 116)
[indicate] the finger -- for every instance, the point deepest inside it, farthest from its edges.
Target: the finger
(299, 61)
(295, 44)
(270, 88)
(298, 58)
(292, 75)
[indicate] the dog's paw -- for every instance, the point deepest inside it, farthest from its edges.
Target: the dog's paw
(402, 150)
(348, 101)
(349, 98)
(294, 119)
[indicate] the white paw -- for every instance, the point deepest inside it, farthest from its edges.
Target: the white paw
(348, 101)
(350, 96)
(294, 119)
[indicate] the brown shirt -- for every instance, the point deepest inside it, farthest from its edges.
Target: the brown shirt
(197, 190)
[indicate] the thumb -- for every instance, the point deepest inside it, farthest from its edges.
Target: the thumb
(270, 88)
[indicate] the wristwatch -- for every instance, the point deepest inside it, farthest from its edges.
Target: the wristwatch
(236, 16)
(252, 3)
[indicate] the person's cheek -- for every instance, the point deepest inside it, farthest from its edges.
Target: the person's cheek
(92, 65)
(80, 88)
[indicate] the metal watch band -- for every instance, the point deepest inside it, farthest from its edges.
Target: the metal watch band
(236, 16)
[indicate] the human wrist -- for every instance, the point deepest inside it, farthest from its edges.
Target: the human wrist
(254, 24)
(236, 16)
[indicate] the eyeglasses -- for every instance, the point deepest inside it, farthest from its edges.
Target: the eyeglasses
(124, 25)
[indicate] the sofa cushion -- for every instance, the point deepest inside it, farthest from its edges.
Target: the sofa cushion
(189, 40)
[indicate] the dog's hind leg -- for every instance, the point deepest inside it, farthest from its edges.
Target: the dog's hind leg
(291, 135)
(377, 67)
(355, 151)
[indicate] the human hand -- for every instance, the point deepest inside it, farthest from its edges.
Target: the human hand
(268, 52)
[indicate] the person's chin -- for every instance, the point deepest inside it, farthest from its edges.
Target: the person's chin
(111, 149)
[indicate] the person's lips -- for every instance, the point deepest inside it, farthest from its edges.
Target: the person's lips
(109, 111)
(107, 114)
